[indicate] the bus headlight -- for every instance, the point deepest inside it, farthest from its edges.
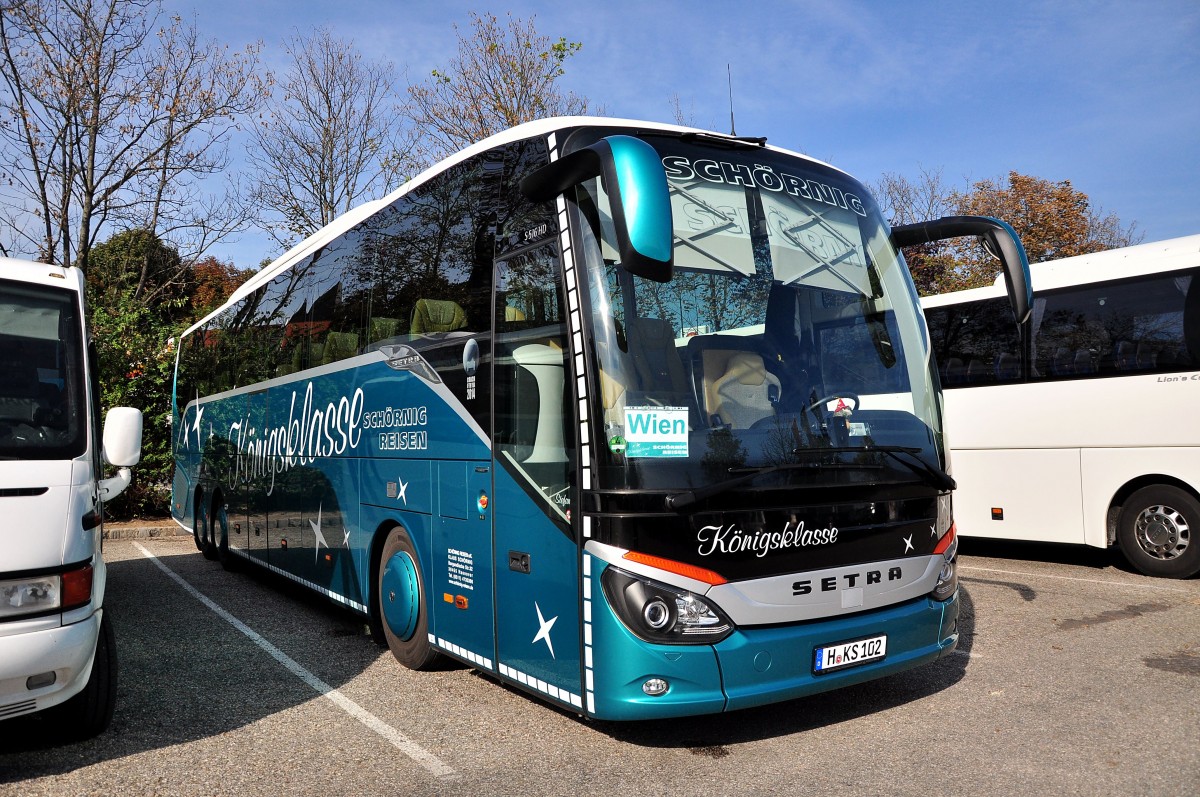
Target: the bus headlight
(660, 613)
(33, 595)
(52, 592)
(947, 582)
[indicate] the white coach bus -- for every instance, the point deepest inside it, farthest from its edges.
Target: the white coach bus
(1082, 425)
(56, 642)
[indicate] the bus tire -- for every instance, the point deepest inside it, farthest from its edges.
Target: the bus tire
(198, 524)
(88, 713)
(220, 532)
(401, 603)
(1159, 531)
(207, 546)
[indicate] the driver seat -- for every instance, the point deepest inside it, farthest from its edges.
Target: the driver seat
(746, 393)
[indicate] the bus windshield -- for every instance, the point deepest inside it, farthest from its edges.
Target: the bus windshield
(787, 335)
(40, 390)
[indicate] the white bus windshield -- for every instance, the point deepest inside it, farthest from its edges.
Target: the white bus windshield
(40, 390)
(789, 332)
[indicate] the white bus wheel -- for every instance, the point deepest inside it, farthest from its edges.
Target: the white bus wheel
(1159, 531)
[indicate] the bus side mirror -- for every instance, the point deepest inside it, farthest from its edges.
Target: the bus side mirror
(123, 437)
(999, 239)
(636, 183)
(122, 447)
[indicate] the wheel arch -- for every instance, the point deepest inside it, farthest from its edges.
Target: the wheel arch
(1132, 486)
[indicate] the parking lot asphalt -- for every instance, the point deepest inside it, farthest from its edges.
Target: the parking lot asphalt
(1073, 675)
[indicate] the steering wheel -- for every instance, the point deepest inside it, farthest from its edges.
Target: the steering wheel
(845, 394)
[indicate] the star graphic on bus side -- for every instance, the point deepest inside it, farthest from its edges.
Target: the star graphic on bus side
(401, 489)
(316, 527)
(908, 544)
(544, 627)
(196, 424)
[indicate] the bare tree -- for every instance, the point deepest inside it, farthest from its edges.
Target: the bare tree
(109, 119)
(332, 138)
(501, 77)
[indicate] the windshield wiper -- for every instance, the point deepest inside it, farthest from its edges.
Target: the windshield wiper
(686, 497)
(933, 474)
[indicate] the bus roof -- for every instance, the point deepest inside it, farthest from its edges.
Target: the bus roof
(41, 274)
(345, 222)
(1111, 264)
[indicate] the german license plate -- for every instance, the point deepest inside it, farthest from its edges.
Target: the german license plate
(849, 654)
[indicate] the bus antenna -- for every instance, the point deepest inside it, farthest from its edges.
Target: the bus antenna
(729, 80)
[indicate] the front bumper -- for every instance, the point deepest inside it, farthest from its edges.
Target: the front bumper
(66, 650)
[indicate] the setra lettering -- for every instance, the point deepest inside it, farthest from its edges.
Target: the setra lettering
(847, 580)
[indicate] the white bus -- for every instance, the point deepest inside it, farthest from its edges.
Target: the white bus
(56, 642)
(1083, 424)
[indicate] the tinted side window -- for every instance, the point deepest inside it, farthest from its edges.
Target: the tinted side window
(1116, 328)
(975, 343)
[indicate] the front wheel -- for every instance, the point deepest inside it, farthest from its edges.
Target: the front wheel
(400, 601)
(1159, 532)
(88, 713)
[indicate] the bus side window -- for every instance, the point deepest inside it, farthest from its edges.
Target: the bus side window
(975, 343)
(1136, 325)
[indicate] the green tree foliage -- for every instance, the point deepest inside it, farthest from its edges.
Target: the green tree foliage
(135, 356)
(135, 345)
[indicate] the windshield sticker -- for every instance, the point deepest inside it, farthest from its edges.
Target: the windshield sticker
(656, 431)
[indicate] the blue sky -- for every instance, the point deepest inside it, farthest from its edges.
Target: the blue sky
(1104, 94)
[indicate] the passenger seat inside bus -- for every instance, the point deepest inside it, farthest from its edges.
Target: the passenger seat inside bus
(437, 315)
(731, 379)
(656, 358)
(744, 394)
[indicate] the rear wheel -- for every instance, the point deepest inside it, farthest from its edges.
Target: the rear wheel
(220, 537)
(88, 713)
(401, 603)
(207, 545)
(198, 524)
(1159, 531)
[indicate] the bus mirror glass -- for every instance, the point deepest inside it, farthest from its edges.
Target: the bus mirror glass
(123, 437)
(999, 239)
(636, 184)
(1004, 243)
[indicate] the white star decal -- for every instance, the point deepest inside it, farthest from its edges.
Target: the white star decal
(345, 537)
(908, 546)
(316, 527)
(932, 531)
(544, 627)
(196, 424)
(401, 489)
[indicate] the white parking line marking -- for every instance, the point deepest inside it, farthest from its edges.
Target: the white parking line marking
(1107, 582)
(398, 740)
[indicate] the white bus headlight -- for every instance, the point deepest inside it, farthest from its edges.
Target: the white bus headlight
(43, 594)
(660, 613)
(33, 595)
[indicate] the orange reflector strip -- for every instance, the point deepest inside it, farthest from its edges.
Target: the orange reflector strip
(944, 542)
(671, 566)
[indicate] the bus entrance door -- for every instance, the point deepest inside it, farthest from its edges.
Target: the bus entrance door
(461, 582)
